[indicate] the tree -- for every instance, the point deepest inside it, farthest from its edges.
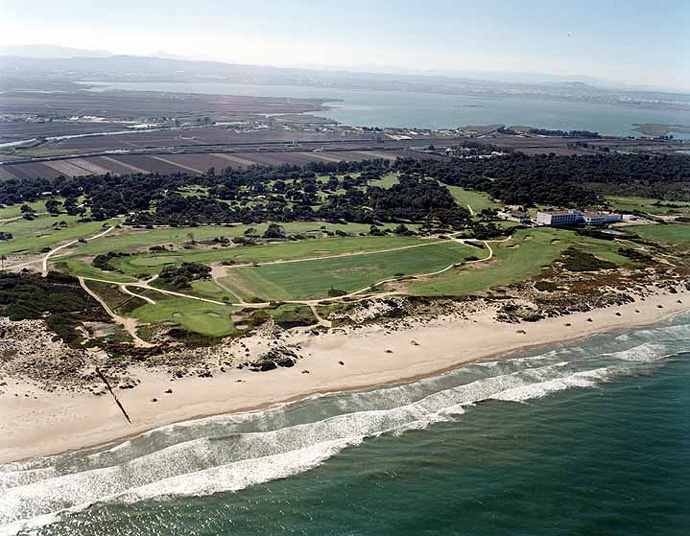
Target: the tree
(53, 206)
(27, 210)
(251, 233)
(274, 231)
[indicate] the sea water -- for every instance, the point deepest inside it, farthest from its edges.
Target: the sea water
(383, 108)
(590, 437)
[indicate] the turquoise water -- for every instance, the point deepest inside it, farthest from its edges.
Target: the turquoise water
(432, 110)
(585, 438)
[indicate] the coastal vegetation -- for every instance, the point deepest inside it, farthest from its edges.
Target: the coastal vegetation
(220, 253)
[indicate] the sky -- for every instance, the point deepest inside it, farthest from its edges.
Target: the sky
(629, 41)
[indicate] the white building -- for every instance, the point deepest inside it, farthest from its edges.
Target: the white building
(601, 218)
(559, 218)
(568, 218)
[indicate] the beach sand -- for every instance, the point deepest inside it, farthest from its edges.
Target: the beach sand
(53, 423)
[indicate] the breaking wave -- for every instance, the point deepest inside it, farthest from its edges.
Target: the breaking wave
(232, 452)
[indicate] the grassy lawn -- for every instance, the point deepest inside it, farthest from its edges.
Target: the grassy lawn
(645, 204)
(678, 233)
(193, 315)
(134, 239)
(152, 263)
(386, 181)
(525, 256)
(210, 289)
(12, 211)
(79, 268)
(34, 235)
(477, 200)
(312, 279)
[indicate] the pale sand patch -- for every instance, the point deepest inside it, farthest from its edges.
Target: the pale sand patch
(57, 422)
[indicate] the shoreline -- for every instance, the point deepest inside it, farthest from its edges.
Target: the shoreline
(371, 357)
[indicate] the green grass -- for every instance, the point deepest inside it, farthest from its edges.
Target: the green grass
(134, 239)
(677, 233)
(79, 268)
(210, 289)
(387, 180)
(477, 200)
(645, 204)
(153, 262)
(536, 249)
(193, 315)
(313, 279)
(12, 211)
(33, 236)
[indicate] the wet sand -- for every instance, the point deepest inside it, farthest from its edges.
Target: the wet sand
(57, 422)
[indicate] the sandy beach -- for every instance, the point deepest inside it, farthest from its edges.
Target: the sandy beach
(36, 423)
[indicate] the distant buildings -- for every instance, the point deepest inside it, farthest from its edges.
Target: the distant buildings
(516, 215)
(570, 218)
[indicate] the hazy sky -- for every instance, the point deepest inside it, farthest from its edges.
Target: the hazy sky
(632, 41)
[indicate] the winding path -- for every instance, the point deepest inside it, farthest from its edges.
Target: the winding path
(52, 252)
(130, 324)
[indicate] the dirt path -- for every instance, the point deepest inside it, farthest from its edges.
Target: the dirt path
(130, 324)
(53, 251)
(124, 289)
(320, 320)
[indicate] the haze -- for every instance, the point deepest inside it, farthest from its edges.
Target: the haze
(633, 43)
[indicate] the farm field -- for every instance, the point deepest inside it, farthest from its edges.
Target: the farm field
(187, 163)
(673, 232)
(314, 279)
(524, 256)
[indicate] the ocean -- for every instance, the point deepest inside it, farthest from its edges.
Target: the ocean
(374, 108)
(588, 437)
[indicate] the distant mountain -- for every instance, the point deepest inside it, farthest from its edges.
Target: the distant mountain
(50, 62)
(51, 52)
